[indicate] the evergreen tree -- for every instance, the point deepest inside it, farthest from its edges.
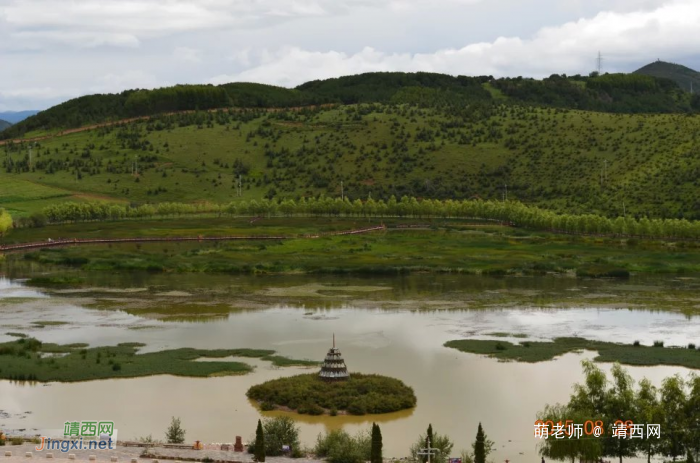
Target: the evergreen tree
(175, 434)
(376, 456)
(259, 443)
(480, 446)
(429, 435)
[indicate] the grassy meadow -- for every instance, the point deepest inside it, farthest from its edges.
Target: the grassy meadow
(567, 160)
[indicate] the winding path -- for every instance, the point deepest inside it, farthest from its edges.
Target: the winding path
(144, 118)
(78, 241)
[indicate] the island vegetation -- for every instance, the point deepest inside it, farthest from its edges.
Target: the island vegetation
(309, 394)
(539, 351)
(28, 359)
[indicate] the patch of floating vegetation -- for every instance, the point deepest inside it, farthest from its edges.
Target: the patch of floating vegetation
(25, 360)
(15, 334)
(318, 289)
(45, 323)
(54, 281)
(539, 351)
(500, 334)
(358, 395)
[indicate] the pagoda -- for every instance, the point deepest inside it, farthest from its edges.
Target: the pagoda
(334, 368)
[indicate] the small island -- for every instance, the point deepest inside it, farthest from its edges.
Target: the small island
(334, 391)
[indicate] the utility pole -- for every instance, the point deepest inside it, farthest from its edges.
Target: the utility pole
(240, 186)
(505, 194)
(136, 165)
(427, 451)
(342, 193)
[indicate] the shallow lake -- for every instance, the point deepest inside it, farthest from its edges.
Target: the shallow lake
(394, 326)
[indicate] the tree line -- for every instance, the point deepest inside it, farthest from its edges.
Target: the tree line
(511, 212)
(620, 93)
(675, 407)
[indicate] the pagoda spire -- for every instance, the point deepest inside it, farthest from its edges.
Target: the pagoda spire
(333, 340)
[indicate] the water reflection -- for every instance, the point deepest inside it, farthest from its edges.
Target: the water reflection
(396, 330)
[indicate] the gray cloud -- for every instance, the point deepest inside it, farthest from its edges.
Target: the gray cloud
(51, 50)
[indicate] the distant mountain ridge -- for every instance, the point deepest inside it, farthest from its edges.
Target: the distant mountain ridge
(678, 73)
(14, 117)
(4, 124)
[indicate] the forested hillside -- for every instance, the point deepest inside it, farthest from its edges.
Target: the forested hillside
(564, 160)
(4, 125)
(616, 93)
(681, 75)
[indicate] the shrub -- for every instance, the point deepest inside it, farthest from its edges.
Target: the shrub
(500, 346)
(357, 408)
(311, 409)
(267, 406)
(691, 346)
(17, 440)
(636, 344)
(658, 343)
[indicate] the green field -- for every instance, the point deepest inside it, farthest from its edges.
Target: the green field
(27, 359)
(566, 160)
(536, 351)
(447, 246)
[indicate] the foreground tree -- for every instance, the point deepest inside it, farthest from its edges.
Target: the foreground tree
(175, 434)
(482, 446)
(259, 443)
(338, 446)
(376, 456)
(441, 444)
(278, 432)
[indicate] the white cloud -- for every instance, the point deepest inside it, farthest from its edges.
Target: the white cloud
(188, 55)
(112, 45)
(568, 48)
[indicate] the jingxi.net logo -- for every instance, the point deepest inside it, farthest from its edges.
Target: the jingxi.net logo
(82, 435)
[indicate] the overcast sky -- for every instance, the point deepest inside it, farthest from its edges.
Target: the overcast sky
(53, 50)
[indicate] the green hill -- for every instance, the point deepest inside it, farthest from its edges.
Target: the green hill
(681, 75)
(565, 160)
(4, 125)
(616, 93)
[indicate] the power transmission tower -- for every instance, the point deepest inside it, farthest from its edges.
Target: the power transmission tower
(600, 62)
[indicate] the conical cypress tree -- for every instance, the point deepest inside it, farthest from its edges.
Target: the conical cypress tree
(430, 435)
(376, 455)
(479, 446)
(259, 443)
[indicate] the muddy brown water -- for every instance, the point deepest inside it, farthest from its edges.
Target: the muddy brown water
(391, 326)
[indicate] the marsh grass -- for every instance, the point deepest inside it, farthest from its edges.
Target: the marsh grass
(537, 351)
(22, 360)
(490, 253)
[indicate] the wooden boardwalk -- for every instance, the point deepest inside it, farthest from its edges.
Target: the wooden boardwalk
(79, 241)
